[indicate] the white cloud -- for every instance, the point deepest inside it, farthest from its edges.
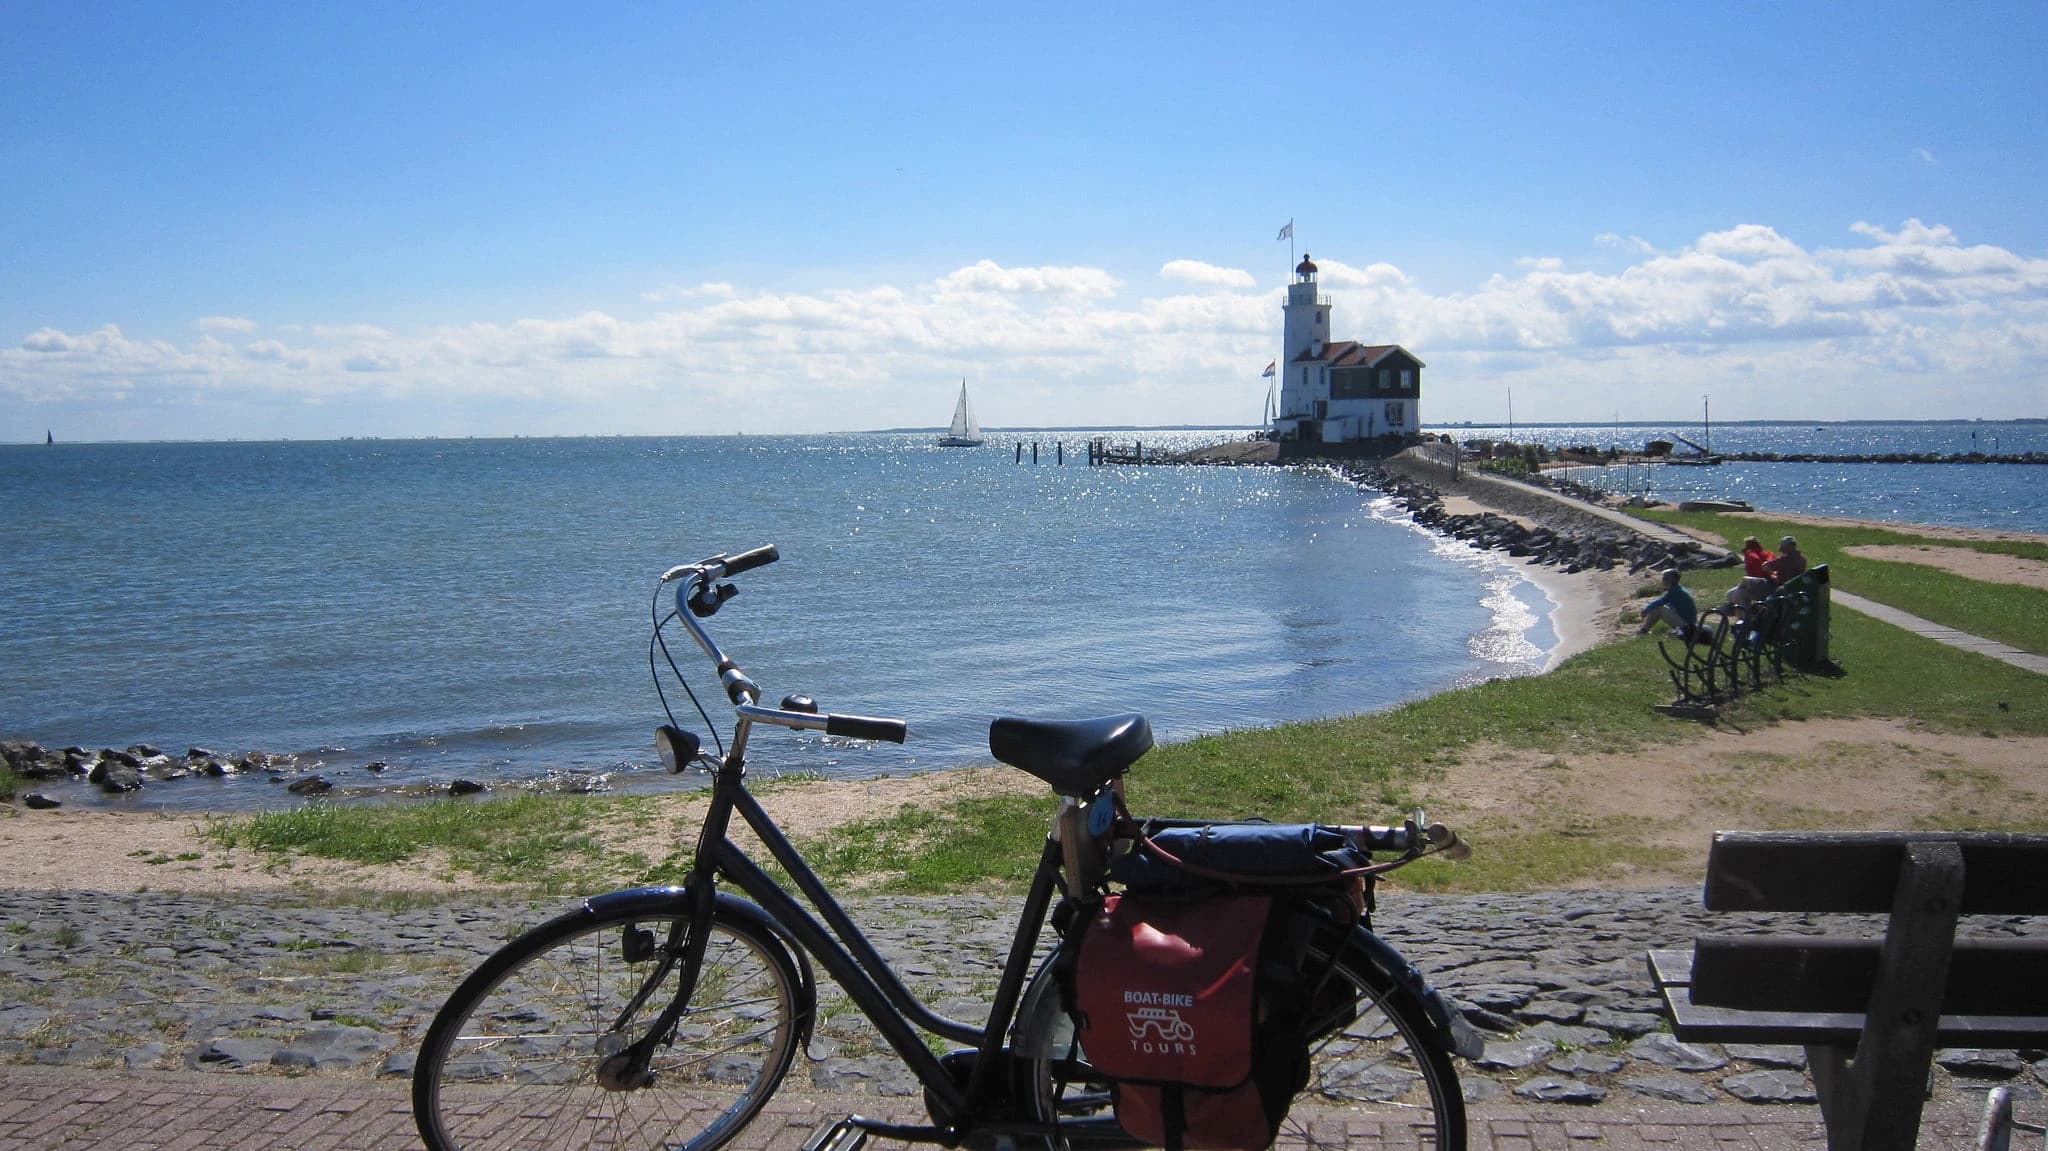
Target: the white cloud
(1875, 327)
(988, 276)
(1210, 275)
(225, 324)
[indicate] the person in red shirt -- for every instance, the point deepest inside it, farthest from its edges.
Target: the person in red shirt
(1754, 557)
(1756, 582)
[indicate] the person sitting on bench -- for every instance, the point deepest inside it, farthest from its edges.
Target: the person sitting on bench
(1790, 562)
(1675, 607)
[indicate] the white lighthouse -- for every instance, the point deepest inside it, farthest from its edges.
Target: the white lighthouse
(1303, 334)
(1342, 392)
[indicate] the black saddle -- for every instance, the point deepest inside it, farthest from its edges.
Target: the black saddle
(1077, 756)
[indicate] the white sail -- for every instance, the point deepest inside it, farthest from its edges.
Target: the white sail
(966, 430)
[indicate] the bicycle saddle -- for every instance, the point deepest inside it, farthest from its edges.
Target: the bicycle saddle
(1076, 756)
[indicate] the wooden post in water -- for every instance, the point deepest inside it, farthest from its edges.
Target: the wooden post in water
(1060, 451)
(1034, 453)
(1020, 451)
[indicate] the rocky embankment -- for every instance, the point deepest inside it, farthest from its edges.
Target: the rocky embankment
(1557, 534)
(119, 771)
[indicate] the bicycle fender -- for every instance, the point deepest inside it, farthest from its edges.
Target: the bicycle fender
(664, 899)
(1452, 1031)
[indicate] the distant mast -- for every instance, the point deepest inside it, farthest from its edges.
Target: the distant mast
(49, 437)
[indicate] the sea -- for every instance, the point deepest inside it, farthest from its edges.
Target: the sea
(481, 608)
(2011, 497)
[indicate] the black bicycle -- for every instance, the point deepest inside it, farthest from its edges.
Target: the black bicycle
(666, 1017)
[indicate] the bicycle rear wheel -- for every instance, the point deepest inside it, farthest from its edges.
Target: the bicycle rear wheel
(1374, 1064)
(517, 1057)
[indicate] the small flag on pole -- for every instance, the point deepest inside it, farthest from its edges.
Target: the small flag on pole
(1268, 373)
(1286, 233)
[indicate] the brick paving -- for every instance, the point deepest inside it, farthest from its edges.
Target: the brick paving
(67, 1109)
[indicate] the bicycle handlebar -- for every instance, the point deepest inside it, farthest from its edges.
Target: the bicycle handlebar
(1412, 837)
(701, 596)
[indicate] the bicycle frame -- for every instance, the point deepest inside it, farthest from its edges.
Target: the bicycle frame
(851, 959)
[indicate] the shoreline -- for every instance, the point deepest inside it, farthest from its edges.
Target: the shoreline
(79, 847)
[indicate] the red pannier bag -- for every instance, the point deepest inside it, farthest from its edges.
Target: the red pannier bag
(1168, 1005)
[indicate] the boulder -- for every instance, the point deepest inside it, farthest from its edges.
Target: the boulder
(117, 775)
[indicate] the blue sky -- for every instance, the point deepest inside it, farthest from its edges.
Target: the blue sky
(293, 220)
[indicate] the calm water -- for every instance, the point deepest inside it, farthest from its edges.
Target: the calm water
(481, 607)
(2008, 496)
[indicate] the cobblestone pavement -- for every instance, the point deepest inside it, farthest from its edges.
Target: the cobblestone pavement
(248, 999)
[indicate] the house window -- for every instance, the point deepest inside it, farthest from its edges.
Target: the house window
(1397, 414)
(1322, 409)
(1385, 377)
(1407, 379)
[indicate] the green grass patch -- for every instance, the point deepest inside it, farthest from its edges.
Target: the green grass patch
(1515, 860)
(990, 840)
(2005, 612)
(539, 841)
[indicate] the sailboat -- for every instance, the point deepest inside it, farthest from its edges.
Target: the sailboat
(966, 430)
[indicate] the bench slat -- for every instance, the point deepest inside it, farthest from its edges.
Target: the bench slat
(1697, 1023)
(1858, 871)
(1803, 973)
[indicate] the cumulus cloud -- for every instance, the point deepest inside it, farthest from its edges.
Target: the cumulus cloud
(988, 276)
(1197, 272)
(1868, 328)
(225, 324)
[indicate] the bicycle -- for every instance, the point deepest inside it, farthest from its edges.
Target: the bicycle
(668, 1016)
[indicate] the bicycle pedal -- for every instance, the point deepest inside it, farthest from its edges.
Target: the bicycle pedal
(837, 1135)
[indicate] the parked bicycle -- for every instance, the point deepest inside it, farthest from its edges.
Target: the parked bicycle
(667, 1016)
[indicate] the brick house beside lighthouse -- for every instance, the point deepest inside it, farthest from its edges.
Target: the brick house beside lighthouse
(1342, 391)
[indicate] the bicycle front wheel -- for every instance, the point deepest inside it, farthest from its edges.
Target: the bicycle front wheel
(526, 1053)
(1374, 1064)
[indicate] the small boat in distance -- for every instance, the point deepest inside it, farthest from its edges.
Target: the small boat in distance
(966, 430)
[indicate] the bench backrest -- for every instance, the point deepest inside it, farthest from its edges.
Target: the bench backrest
(2004, 874)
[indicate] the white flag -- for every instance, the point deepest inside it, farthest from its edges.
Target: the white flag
(1286, 233)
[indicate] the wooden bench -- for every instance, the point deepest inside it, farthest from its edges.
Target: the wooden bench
(1870, 1012)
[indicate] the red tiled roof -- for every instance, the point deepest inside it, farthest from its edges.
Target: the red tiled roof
(1350, 354)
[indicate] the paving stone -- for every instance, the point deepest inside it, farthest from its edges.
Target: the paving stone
(1587, 1063)
(1515, 1054)
(1553, 1089)
(1666, 1051)
(1981, 1064)
(1774, 1086)
(1676, 1088)
(1768, 1054)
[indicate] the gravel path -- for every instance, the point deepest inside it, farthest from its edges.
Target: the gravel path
(253, 985)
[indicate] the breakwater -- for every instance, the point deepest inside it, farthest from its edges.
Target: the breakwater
(1557, 535)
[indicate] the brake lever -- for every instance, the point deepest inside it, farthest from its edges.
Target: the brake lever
(706, 600)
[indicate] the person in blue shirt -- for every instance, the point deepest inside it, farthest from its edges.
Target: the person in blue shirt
(1674, 607)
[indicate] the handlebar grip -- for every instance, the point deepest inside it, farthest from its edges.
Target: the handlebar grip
(864, 727)
(1447, 842)
(749, 560)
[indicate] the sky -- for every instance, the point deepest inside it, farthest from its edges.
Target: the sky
(271, 220)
